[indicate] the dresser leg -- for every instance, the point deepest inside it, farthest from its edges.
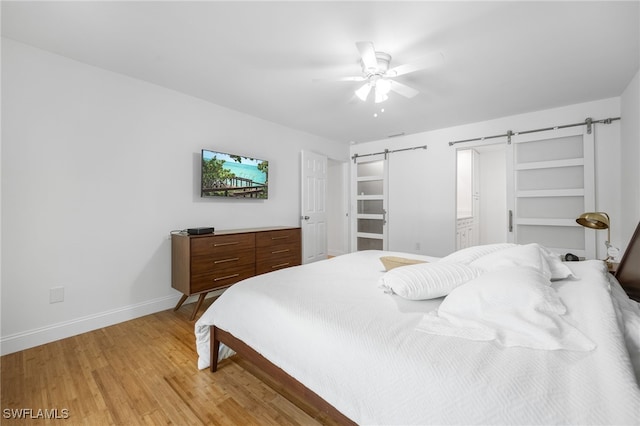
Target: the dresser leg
(195, 310)
(180, 302)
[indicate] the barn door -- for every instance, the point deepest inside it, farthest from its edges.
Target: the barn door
(369, 215)
(552, 183)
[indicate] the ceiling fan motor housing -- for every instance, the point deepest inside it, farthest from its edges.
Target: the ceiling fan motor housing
(383, 60)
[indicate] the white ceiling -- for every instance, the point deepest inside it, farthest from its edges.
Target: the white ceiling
(261, 58)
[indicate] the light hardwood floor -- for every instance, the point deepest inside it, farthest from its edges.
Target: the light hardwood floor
(142, 371)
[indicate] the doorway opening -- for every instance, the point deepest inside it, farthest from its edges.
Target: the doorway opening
(481, 213)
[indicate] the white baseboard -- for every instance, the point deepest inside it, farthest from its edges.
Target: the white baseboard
(39, 336)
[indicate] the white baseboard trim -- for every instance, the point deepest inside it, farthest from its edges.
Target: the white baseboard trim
(40, 336)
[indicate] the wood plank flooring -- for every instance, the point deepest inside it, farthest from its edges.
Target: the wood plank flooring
(141, 372)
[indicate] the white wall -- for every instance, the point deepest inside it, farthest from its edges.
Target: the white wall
(437, 227)
(97, 169)
(337, 207)
(406, 203)
(630, 159)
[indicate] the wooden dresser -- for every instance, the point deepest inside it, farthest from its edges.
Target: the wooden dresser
(203, 263)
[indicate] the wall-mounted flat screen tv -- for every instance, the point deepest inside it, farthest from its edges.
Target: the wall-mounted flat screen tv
(234, 176)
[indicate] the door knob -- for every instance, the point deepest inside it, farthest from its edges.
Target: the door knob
(305, 217)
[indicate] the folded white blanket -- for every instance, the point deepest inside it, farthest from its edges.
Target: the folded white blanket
(515, 306)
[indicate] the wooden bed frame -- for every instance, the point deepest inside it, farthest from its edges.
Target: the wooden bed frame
(628, 274)
(292, 385)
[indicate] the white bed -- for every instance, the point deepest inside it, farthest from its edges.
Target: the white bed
(332, 328)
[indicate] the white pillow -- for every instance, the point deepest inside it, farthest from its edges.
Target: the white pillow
(512, 306)
(520, 255)
(559, 271)
(427, 280)
(469, 254)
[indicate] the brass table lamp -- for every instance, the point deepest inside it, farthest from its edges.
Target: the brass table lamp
(599, 220)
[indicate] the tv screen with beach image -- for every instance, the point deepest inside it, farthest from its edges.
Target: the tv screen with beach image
(234, 176)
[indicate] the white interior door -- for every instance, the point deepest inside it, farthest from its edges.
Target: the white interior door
(369, 215)
(553, 182)
(314, 206)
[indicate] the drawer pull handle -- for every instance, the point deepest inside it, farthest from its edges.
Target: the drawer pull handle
(280, 265)
(225, 244)
(280, 251)
(280, 238)
(233, 259)
(226, 278)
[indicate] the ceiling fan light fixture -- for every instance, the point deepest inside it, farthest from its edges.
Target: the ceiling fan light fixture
(380, 96)
(383, 86)
(363, 92)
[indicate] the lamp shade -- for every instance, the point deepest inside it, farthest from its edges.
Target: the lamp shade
(383, 86)
(363, 92)
(599, 220)
(594, 220)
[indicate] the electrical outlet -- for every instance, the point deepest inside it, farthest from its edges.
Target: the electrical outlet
(56, 294)
(417, 246)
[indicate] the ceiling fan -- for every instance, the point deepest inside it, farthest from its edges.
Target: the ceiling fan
(379, 77)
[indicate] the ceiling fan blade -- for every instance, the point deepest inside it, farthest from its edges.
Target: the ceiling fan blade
(368, 54)
(350, 78)
(426, 62)
(403, 89)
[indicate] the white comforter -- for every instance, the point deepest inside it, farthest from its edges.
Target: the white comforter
(329, 325)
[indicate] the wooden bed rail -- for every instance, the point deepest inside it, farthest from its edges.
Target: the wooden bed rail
(280, 376)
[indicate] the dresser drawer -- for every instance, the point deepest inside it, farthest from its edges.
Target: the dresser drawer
(278, 237)
(277, 250)
(275, 253)
(221, 277)
(212, 262)
(277, 262)
(222, 244)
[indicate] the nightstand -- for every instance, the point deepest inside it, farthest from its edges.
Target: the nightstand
(613, 267)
